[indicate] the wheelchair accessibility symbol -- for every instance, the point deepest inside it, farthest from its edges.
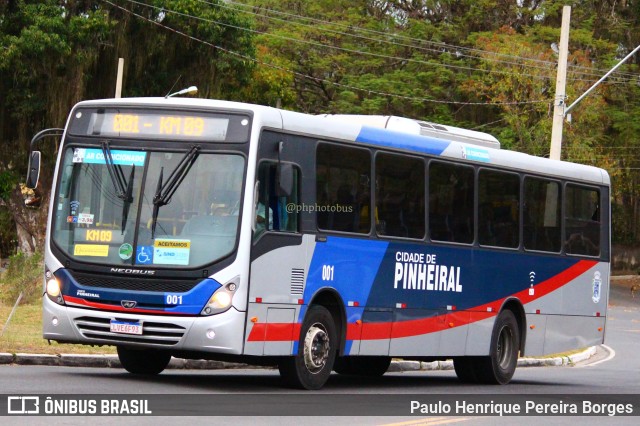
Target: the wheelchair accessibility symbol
(144, 255)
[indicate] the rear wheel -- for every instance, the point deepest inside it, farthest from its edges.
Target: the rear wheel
(143, 361)
(370, 366)
(311, 367)
(499, 366)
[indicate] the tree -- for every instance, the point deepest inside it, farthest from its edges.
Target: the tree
(54, 54)
(45, 54)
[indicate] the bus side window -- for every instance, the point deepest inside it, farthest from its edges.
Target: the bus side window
(273, 212)
(343, 201)
(400, 189)
(582, 221)
(499, 211)
(451, 192)
(541, 215)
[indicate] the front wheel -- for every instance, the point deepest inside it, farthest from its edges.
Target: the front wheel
(311, 367)
(148, 362)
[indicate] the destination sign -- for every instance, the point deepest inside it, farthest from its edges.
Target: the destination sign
(167, 124)
(182, 126)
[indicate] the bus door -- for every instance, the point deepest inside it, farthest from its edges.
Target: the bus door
(278, 264)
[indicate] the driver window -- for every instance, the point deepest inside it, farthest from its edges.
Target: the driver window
(275, 212)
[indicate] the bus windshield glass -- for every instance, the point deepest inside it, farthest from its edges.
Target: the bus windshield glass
(104, 208)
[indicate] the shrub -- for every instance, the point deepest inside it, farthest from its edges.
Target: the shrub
(24, 274)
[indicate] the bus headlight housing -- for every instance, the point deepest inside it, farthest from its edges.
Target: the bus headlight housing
(221, 299)
(53, 288)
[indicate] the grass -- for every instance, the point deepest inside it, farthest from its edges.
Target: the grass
(24, 275)
(23, 334)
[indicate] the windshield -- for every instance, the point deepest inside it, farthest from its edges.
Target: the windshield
(104, 210)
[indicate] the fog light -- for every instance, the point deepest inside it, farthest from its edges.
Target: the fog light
(211, 334)
(54, 321)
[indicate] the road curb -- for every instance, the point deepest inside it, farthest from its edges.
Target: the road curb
(36, 359)
(570, 360)
(111, 361)
(81, 360)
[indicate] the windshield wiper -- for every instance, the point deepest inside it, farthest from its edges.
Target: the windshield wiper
(164, 191)
(115, 172)
(128, 198)
(123, 188)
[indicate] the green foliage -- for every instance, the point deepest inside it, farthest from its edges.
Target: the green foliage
(24, 275)
(7, 234)
(186, 42)
(7, 183)
(441, 61)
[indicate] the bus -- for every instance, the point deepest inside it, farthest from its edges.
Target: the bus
(217, 230)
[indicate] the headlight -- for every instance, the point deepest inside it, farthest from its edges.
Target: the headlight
(53, 288)
(221, 299)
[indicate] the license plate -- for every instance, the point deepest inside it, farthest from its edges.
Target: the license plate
(124, 327)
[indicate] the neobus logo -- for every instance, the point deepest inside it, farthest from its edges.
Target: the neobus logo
(133, 271)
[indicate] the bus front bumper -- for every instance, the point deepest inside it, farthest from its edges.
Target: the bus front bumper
(221, 333)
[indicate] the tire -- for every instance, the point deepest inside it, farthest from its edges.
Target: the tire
(311, 367)
(367, 366)
(499, 366)
(148, 362)
(465, 368)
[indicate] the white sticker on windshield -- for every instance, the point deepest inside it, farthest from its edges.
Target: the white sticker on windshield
(171, 252)
(78, 155)
(85, 218)
(119, 157)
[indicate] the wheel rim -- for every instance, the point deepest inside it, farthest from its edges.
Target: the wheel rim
(316, 348)
(504, 349)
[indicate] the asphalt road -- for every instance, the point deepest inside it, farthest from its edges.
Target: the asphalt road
(256, 392)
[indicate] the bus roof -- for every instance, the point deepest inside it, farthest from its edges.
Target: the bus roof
(388, 131)
(424, 128)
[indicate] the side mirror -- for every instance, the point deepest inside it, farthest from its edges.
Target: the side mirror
(284, 180)
(33, 173)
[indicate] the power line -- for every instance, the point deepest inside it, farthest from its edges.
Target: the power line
(317, 79)
(439, 46)
(359, 52)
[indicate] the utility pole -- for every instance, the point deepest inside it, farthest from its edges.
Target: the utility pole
(561, 83)
(119, 78)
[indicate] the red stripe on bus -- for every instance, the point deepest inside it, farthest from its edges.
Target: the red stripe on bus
(394, 330)
(274, 332)
(107, 307)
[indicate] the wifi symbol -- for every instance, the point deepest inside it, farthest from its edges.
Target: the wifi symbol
(74, 205)
(532, 277)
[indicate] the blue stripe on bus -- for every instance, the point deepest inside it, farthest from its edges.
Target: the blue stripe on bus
(399, 140)
(381, 274)
(189, 303)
